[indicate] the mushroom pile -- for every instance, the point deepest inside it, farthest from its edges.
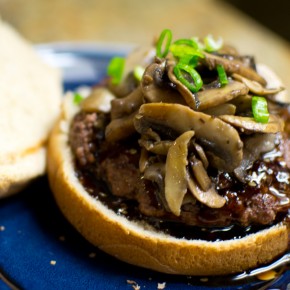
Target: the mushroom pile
(194, 105)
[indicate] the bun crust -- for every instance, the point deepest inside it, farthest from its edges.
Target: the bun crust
(141, 245)
(31, 94)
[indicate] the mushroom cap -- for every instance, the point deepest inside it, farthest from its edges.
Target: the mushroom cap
(218, 137)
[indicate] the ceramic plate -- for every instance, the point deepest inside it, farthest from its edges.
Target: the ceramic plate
(39, 249)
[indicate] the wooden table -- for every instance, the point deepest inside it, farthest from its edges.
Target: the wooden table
(137, 21)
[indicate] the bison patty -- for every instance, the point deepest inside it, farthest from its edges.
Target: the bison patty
(116, 167)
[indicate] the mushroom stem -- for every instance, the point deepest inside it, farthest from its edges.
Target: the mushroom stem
(210, 197)
(200, 173)
(175, 172)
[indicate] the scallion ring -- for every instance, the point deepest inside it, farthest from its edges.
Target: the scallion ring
(183, 50)
(166, 33)
(190, 60)
(188, 42)
(138, 72)
(183, 71)
(260, 109)
(199, 45)
(211, 44)
(115, 69)
(222, 75)
(77, 98)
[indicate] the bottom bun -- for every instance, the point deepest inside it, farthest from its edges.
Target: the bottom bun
(143, 246)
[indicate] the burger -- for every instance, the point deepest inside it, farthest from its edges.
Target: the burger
(179, 161)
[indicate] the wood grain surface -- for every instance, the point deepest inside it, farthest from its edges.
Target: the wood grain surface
(137, 21)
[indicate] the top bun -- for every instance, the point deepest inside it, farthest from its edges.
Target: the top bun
(30, 96)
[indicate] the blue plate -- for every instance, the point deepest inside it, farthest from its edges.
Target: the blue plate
(39, 249)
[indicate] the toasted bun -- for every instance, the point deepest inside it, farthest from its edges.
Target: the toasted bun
(138, 244)
(30, 96)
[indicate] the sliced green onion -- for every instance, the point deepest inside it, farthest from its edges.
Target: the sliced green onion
(194, 61)
(77, 98)
(138, 72)
(166, 33)
(115, 69)
(199, 45)
(183, 71)
(260, 109)
(185, 59)
(183, 50)
(190, 60)
(222, 75)
(211, 44)
(188, 42)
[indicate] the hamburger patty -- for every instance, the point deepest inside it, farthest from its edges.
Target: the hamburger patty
(261, 201)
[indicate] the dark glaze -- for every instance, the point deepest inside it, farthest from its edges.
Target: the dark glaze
(236, 193)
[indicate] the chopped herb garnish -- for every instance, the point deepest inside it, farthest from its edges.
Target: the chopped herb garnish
(78, 98)
(260, 109)
(190, 60)
(211, 44)
(115, 69)
(188, 76)
(198, 43)
(188, 42)
(180, 50)
(138, 72)
(222, 75)
(166, 33)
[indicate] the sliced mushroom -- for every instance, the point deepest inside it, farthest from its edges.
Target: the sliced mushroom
(223, 109)
(156, 173)
(256, 87)
(228, 50)
(141, 56)
(200, 173)
(232, 66)
(145, 125)
(121, 128)
(152, 135)
(254, 146)
(215, 135)
(210, 197)
(215, 96)
(274, 125)
(243, 104)
(144, 160)
(176, 173)
(246, 60)
(128, 85)
(98, 101)
(188, 199)
(190, 98)
(273, 81)
(201, 154)
(127, 105)
(156, 88)
(158, 147)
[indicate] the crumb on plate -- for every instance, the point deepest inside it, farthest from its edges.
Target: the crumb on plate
(134, 284)
(92, 255)
(161, 285)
